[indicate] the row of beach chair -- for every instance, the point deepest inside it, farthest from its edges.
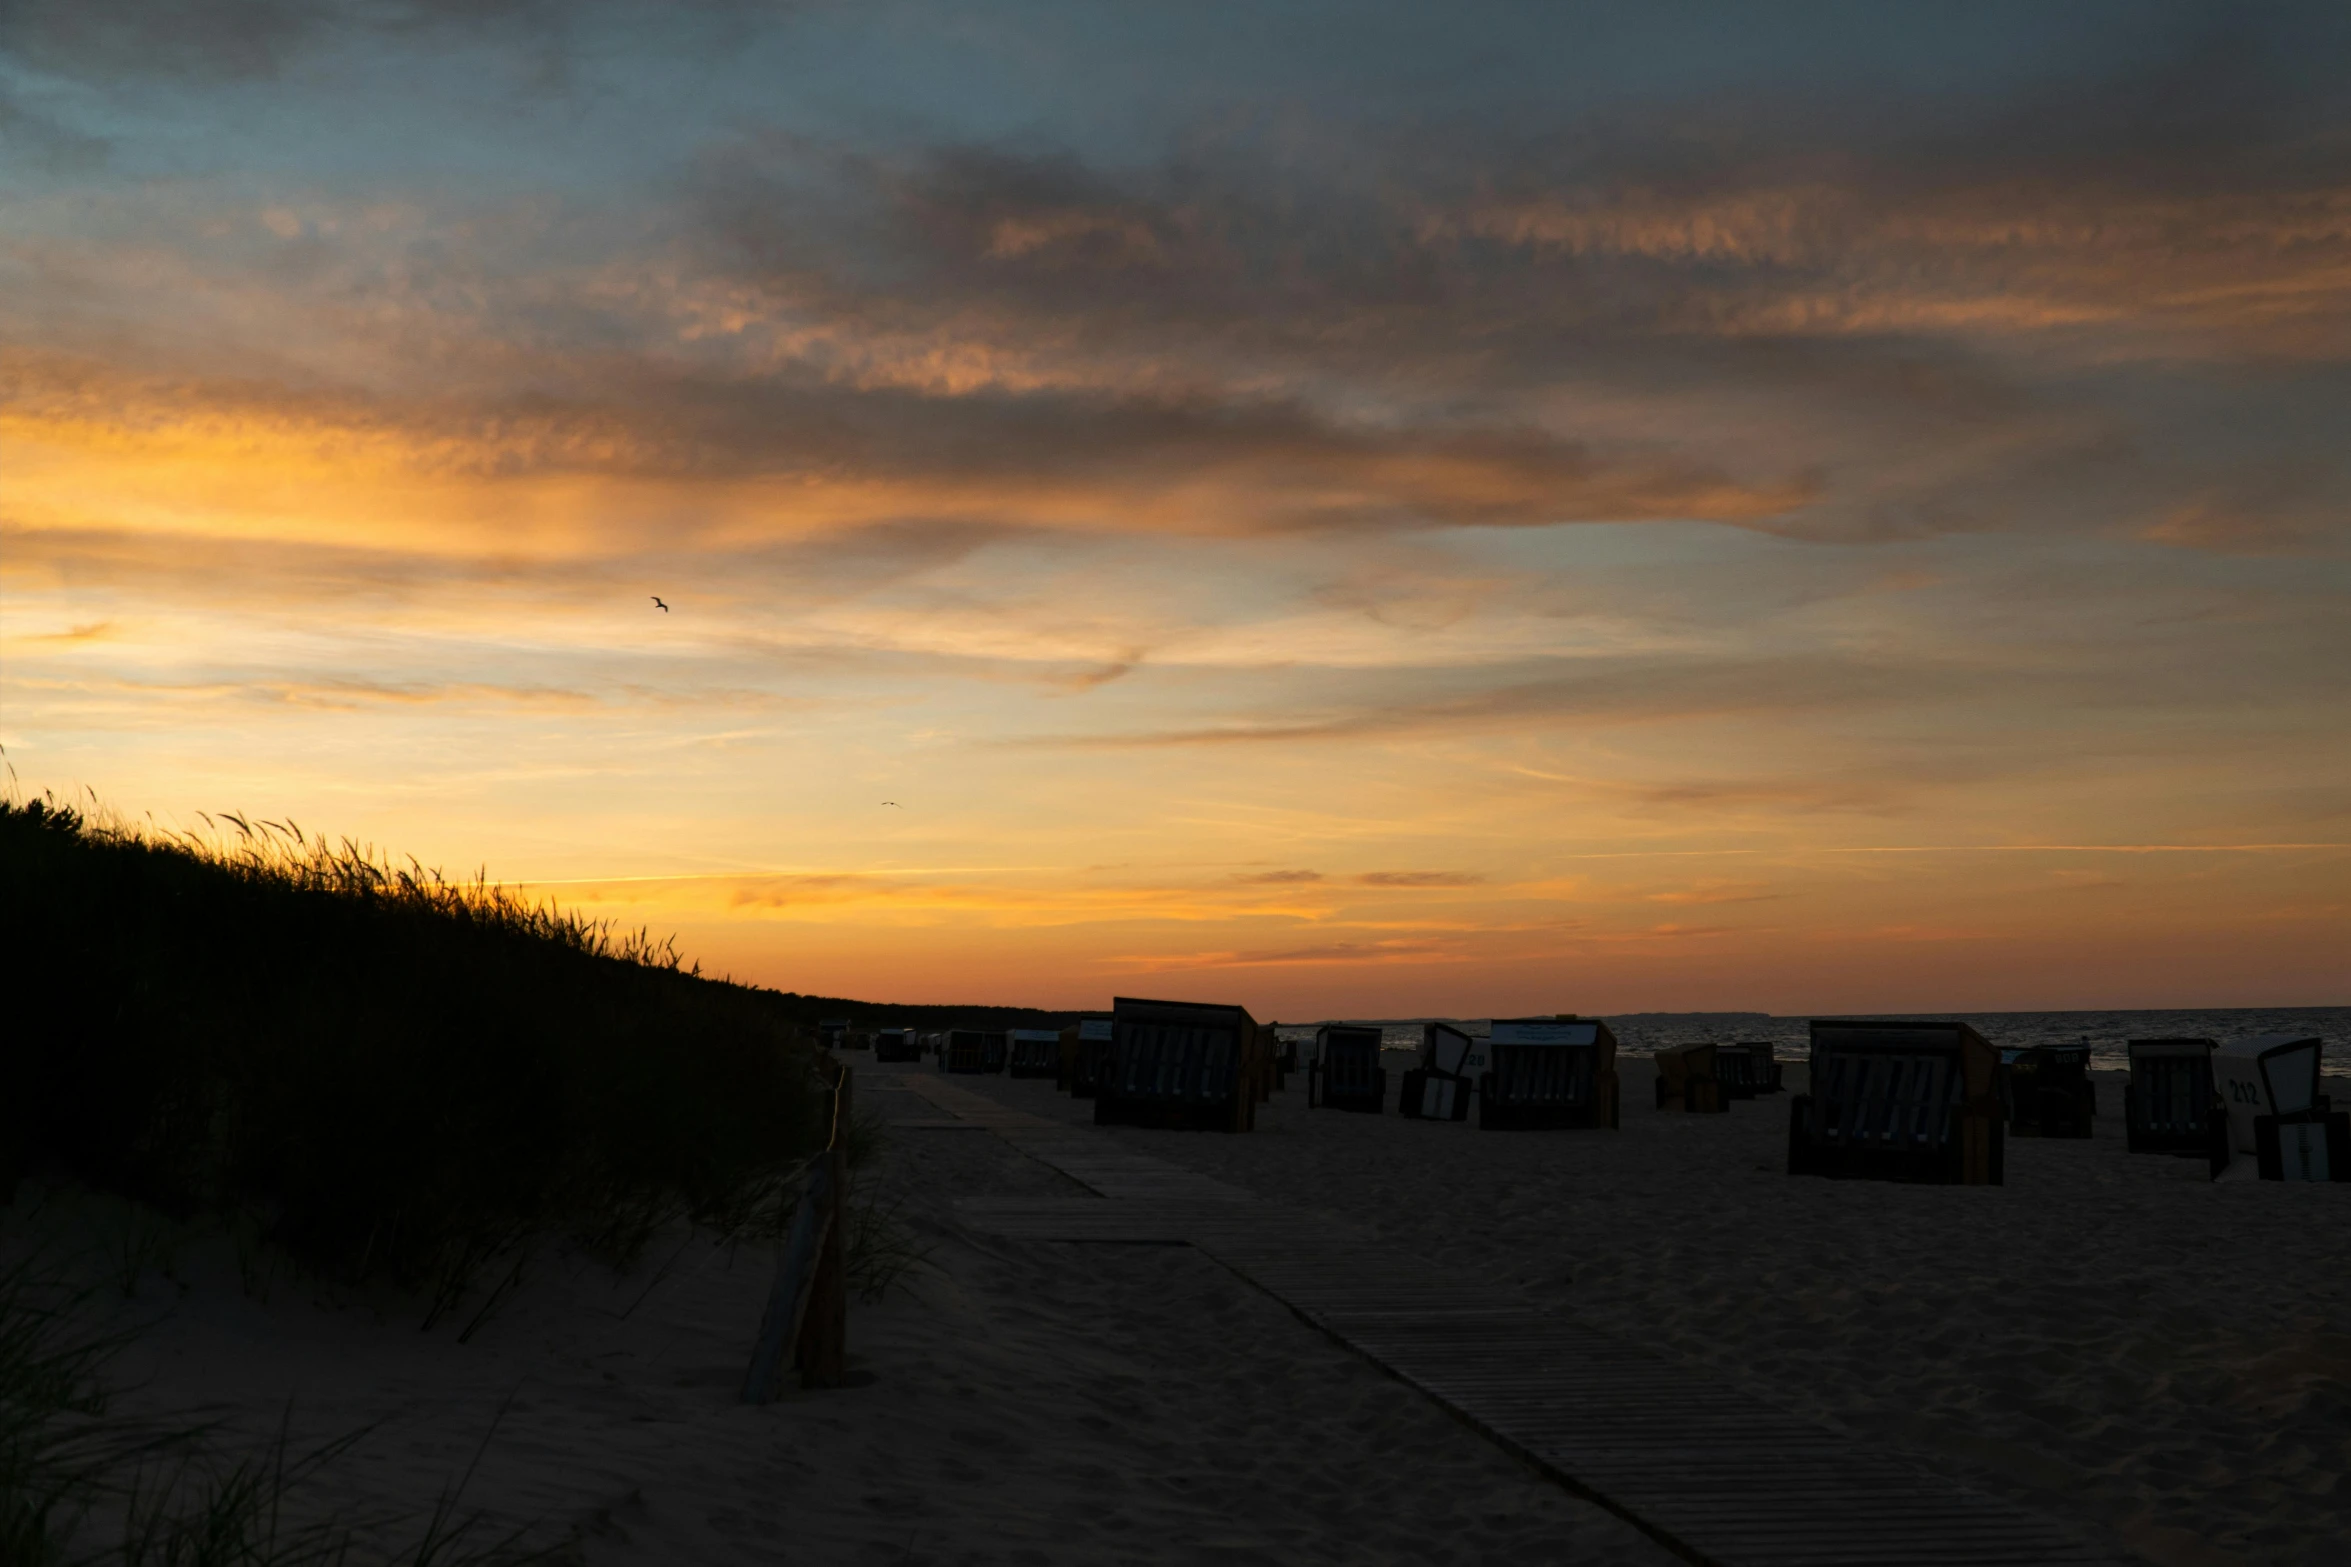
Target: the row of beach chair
(1903, 1100)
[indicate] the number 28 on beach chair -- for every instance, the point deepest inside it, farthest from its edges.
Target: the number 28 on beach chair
(1548, 1073)
(1346, 1073)
(1438, 1089)
(1180, 1064)
(2269, 1088)
(1899, 1102)
(1687, 1080)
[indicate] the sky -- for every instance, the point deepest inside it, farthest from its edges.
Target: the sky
(1355, 509)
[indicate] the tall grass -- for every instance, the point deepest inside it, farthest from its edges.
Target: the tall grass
(392, 1075)
(80, 1487)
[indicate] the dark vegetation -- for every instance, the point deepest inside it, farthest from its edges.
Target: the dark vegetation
(392, 1076)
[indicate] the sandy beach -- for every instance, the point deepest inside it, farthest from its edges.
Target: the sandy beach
(2106, 1337)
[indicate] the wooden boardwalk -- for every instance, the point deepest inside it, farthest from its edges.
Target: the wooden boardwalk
(1717, 1476)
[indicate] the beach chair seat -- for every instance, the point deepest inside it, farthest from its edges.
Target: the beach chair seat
(1687, 1080)
(1179, 1064)
(1433, 1096)
(1547, 1074)
(896, 1044)
(1346, 1073)
(2048, 1091)
(1899, 1101)
(1032, 1052)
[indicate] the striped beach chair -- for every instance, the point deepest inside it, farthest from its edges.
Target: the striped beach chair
(1346, 1073)
(1747, 1070)
(1032, 1052)
(1548, 1073)
(1899, 1101)
(1180, 1064)
(2169, 1105)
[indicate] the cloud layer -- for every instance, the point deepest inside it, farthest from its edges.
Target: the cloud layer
(1342, 492)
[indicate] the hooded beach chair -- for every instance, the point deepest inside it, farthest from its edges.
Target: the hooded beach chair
(1899, 1101)
(896, 1044)
(2049, 1091)
(2268, 1087)
(1180, 1064)
(1346, 1073)
(1687, 1080)
(1547, 1074)
(1032, 1052)
(1439, 1088)
(974, 1050)
(1747, 1070)
(2169, 1105)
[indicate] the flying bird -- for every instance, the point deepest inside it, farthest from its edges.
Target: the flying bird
(894, 804)
(657, 604)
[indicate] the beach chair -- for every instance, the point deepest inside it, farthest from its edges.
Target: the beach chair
(1032, 1052)
(1747, 1070)
(2268, 1087)
(1899, 1101)
(896, 1044)
(2048, 1091)
(1179, 1064)
(832, 1032)
(1084, 1045)
(1346, 1073)
(1548, 1073)
(973, 1050)
(1439, 1088)
(1687, 1080)
(2169, 1105)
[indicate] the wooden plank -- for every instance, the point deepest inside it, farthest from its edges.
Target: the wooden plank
(1717, 1476)
(787, 1299)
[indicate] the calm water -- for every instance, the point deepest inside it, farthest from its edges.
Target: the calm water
(1647, 1032)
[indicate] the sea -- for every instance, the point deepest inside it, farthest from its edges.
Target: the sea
(2106, 1033)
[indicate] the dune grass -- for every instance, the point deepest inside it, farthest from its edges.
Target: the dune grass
(393, 1076)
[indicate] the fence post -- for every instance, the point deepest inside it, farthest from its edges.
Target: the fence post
(824, 1332)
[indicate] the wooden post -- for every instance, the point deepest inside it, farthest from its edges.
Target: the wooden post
(787, 1302)
(824, 1332)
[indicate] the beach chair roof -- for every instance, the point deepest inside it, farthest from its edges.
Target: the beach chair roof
(1547, 1031)
(1093, 1028)
(1038, 1035)
(1895, 1034)
(1195, 1013)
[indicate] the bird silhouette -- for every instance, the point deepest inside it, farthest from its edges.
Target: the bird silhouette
(657, 604)
(894, 804)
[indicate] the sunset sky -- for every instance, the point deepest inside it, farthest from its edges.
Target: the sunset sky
(1353, 509)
